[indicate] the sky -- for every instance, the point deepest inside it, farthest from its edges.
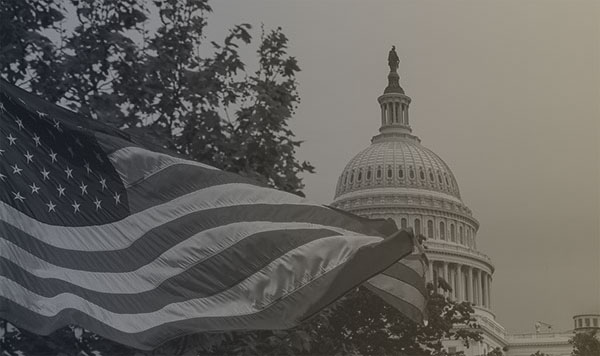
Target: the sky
(506, 92)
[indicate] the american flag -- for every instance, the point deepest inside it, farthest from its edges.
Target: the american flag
(141, 246)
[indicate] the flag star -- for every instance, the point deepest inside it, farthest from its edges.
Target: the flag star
(45, 173)
(34, 188)
(36, 139)
(19, 123)
(75, 206)
(16, 169)
(2, 177)
(11, 139)
(2, 107)
(61, 190)
(98, 157)
(41, 114)
(2, 152)
(69, 172)
(97, 203)
(117, 198)
(52, 156)
(50, 206)
(29, 157)
(18, 196)
(70, 150)
(87, 167)
(103, 183)
(56, 125)
(83, 188)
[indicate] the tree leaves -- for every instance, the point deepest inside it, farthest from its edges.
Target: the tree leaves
(585, 344)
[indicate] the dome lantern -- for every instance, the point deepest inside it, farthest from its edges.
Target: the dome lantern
(394, 105)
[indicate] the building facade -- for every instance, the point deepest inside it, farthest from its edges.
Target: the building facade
(397, 177)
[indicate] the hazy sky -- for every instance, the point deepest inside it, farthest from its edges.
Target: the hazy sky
(507, 93)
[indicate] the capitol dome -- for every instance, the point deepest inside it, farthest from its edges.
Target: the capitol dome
(397, 163)
(397, 178)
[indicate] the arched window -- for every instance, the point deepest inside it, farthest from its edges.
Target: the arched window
(442, 230)
(351, 176)
(417, 227)
(369, 173)
(421, 174)
(345, 177)
(461, 236)
(378, 172)
(359, 175)
(430, 229)
(439, 178)
(390, 173)
(452, 233)
(431, 176)
(411, 173)
(401, 172)
(403, 223)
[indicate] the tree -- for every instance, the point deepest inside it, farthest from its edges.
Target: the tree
(165, 84)
(585, 344)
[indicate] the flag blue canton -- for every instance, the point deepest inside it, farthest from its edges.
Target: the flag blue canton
(54, 171)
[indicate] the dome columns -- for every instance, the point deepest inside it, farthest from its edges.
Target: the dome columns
(469, 283)
(394, 113)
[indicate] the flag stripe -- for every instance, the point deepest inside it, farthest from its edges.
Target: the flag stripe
(401, 272)
(232, 264)
(254, 293)
(351, 271)
(155, 242)
(411, 307)
(416, 262)
(155, 251)
(282, 313)
(159, 188)
(84, 237)
(135, 164)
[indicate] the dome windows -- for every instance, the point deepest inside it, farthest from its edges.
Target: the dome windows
(417, 227)
(452, 233)
(352, 177)
(430, 229)
(442, 231)
(403, 223)
(461, 235)
(399, 164)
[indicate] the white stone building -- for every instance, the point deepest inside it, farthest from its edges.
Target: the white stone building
(397, 177)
